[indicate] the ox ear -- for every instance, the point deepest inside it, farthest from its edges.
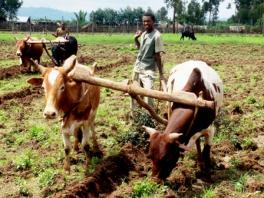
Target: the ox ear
(41, 68)
(37, 82)
(70, 63)
(149, 130)
(174, 136)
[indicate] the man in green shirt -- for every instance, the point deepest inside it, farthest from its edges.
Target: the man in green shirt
(149, 56)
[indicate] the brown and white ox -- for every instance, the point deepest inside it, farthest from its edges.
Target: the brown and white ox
(187, 123)
(76, 102)
(27, 51)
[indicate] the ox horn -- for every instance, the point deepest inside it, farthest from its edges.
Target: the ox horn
(27, 38)
(69, 63)
(41, 68)
(149, 130)
(94, 68)
(174, 136)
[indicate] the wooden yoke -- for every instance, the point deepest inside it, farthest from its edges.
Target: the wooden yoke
(188, 98)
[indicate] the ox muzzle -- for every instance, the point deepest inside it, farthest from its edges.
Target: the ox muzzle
(50, 112)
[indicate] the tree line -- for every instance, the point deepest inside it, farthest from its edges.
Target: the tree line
(192, 12)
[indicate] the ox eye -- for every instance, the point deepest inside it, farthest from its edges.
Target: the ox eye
(62, 88)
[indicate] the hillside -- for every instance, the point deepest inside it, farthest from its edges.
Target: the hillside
(42, 12)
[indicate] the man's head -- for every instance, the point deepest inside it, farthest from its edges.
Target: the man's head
(63, 25)
(148, 21)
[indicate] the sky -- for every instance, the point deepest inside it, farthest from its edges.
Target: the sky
(89, 5)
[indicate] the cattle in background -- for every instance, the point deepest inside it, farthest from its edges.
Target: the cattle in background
(63, 51)
(187, 124)
(26, 51)
(76, 102)
(188, 33)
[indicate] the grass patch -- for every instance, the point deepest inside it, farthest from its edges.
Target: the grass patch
(208, 193)
(11, 85)
(24, 161)
(8, 63)
(146, 189)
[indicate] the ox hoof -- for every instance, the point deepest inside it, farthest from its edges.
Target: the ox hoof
(87, 163)
(76, 148)
(67, 167)
(157, 180)
(204, 176)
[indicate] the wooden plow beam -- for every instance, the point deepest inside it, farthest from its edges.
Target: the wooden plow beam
(81, 73)
(44, 42)
(47, 42)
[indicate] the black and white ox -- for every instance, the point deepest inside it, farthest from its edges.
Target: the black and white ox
(187, 124)
(189, 34)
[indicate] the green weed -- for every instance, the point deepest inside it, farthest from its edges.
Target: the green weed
(235, 162)
(208, 193)
(46, 178)
(248, 143)
(3, 117)
(24, 161)
(93, 163)
(23, 187)
(38, 133)
(136, 134)
(240, 184)
(147, 189)
(250, 100)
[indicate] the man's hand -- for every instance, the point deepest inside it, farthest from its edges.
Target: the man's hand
(138, 34)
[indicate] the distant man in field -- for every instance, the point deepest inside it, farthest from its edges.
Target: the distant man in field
(149, 56)
(62, 31)
(61, 34)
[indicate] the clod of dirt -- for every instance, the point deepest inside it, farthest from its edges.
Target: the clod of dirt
(237, 110)
(112, 171)
(223, 148)
(181, 178)
(27, 94)
(252, 185)
(85, 59)
(105, 179)
(250, 162)
(122, 61)
(12, 71)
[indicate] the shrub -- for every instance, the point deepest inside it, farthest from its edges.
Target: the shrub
(136, 134)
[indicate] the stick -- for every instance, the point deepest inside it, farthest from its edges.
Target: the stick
(150, 109)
